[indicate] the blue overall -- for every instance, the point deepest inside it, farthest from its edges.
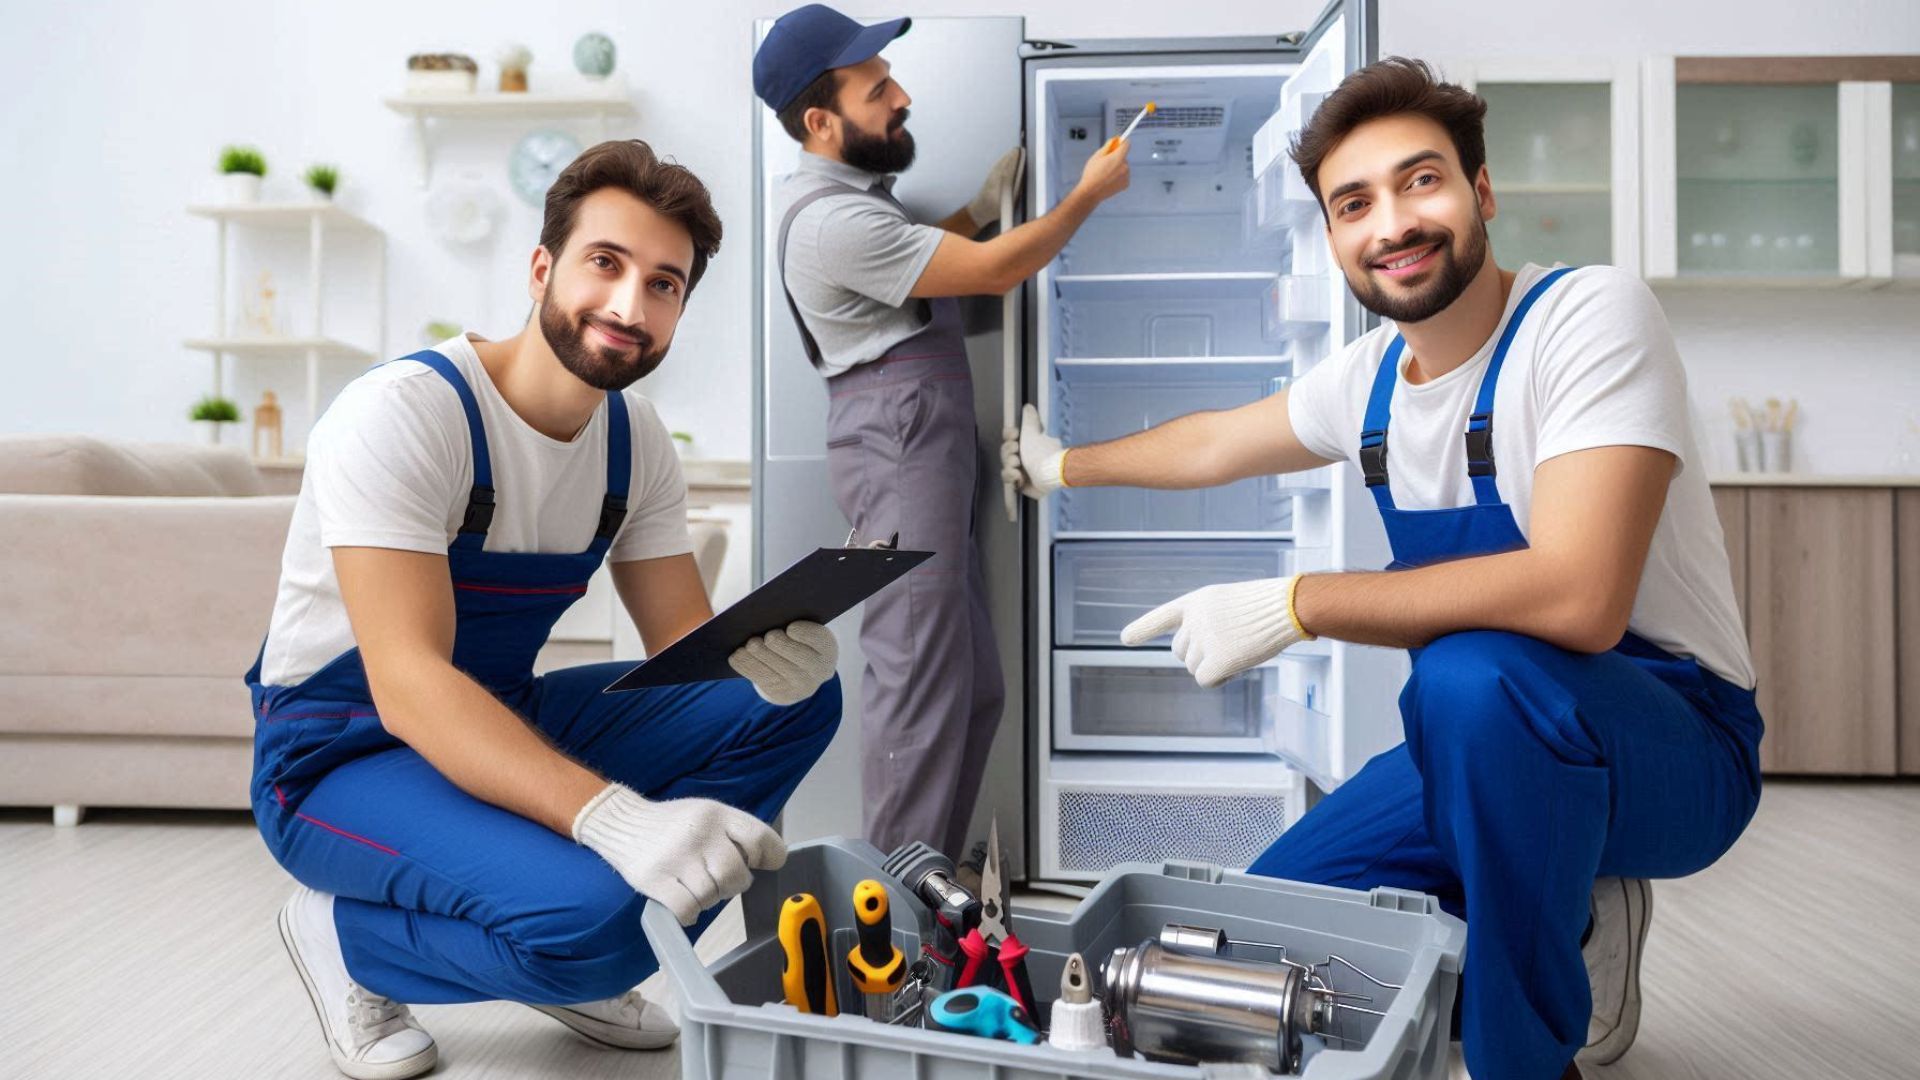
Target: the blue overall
(1527, 771)
(444, 898)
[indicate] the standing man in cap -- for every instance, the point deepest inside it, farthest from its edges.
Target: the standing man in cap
(874, 295)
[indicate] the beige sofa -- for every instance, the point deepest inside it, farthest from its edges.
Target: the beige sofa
(136, 581)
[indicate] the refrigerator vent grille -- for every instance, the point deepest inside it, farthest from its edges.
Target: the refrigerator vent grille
(1190, 132)
(1172, 116)
(1100, 829)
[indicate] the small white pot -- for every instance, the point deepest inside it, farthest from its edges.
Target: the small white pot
(243, 188)
(209, 431)
(318, 196)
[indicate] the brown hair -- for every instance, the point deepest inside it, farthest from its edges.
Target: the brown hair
(821, 93)
(1387, 88)
(629, 164)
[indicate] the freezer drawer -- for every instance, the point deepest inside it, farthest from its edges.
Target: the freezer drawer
(1099, 810)
(1145, 701)
(1101, 586)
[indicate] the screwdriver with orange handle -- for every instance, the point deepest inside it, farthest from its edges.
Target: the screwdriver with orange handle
(806, 972)
(877, 965)
(1149, 110)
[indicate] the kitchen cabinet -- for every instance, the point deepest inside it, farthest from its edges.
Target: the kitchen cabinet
(1776, 170)
(1819, 601)
(1907, 613)
(1563, 154)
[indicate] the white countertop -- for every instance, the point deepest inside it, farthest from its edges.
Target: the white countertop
(1790, 479)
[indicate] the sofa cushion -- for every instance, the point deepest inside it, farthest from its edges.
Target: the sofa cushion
(140, 705)
(84, 465)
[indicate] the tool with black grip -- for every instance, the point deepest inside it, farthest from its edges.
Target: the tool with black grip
(806, 970)
(955, 910)
(877, 965)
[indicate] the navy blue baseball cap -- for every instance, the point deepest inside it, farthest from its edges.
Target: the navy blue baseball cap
(808, 42)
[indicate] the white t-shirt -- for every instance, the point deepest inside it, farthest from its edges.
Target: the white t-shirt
(390, 465)
(1593, 364)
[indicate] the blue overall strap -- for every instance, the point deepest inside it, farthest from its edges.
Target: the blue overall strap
(1480, 424)
(1373, 430)
(479, 516)
(613, 508)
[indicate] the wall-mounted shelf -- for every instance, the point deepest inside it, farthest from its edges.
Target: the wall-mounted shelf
(317, 219)
(268, 347)
(600, 106)
(286, 216)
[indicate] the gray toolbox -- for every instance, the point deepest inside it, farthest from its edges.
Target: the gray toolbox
(734, 1025)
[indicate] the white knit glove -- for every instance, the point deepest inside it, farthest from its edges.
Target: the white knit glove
(985, 207)
(1222, 630)
(689, 854)
(787, 666)
(1032, 458)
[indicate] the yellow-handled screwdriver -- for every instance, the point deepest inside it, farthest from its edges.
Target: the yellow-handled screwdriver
(878, 967)
(806, 973)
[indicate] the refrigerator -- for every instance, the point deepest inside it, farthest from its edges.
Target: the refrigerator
(1206, 285)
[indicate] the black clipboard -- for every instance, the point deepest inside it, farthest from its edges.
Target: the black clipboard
(819, 588)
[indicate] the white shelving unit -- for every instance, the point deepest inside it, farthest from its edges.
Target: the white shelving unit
(610, 102)
(318, 219)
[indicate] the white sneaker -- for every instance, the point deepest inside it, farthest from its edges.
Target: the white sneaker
(627, 1022)
(370, 1037)
(1621, 909)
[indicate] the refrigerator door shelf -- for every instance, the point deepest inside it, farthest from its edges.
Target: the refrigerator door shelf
(1296, 307)
(1145, 701)
(1280, 200)
(1100, 587)
(1099, 810)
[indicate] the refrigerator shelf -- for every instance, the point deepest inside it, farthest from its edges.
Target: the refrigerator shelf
(1138, 288)
(1172, 534)
(1195, 362)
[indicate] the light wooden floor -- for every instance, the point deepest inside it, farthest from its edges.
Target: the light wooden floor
(142, 945)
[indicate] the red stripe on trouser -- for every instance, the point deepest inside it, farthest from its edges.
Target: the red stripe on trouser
(561, 590)
(336, 830)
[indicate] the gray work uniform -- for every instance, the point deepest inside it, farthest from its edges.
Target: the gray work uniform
(904, 457)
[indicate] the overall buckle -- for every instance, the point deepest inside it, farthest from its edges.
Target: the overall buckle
(1480, 444)
(479, 510)
(613, 511)
(1373, 457)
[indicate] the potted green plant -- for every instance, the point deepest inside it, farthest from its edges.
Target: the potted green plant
(212, 411)
(321, 180)
(683, 443)
(243, 166)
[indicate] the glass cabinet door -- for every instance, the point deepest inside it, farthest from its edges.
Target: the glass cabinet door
(1906, 180)
(1550, 160)
(1757, 179)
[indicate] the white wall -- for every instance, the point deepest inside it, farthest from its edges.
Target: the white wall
(129, 104)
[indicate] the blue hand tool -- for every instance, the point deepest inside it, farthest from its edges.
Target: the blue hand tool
(982, 1011)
